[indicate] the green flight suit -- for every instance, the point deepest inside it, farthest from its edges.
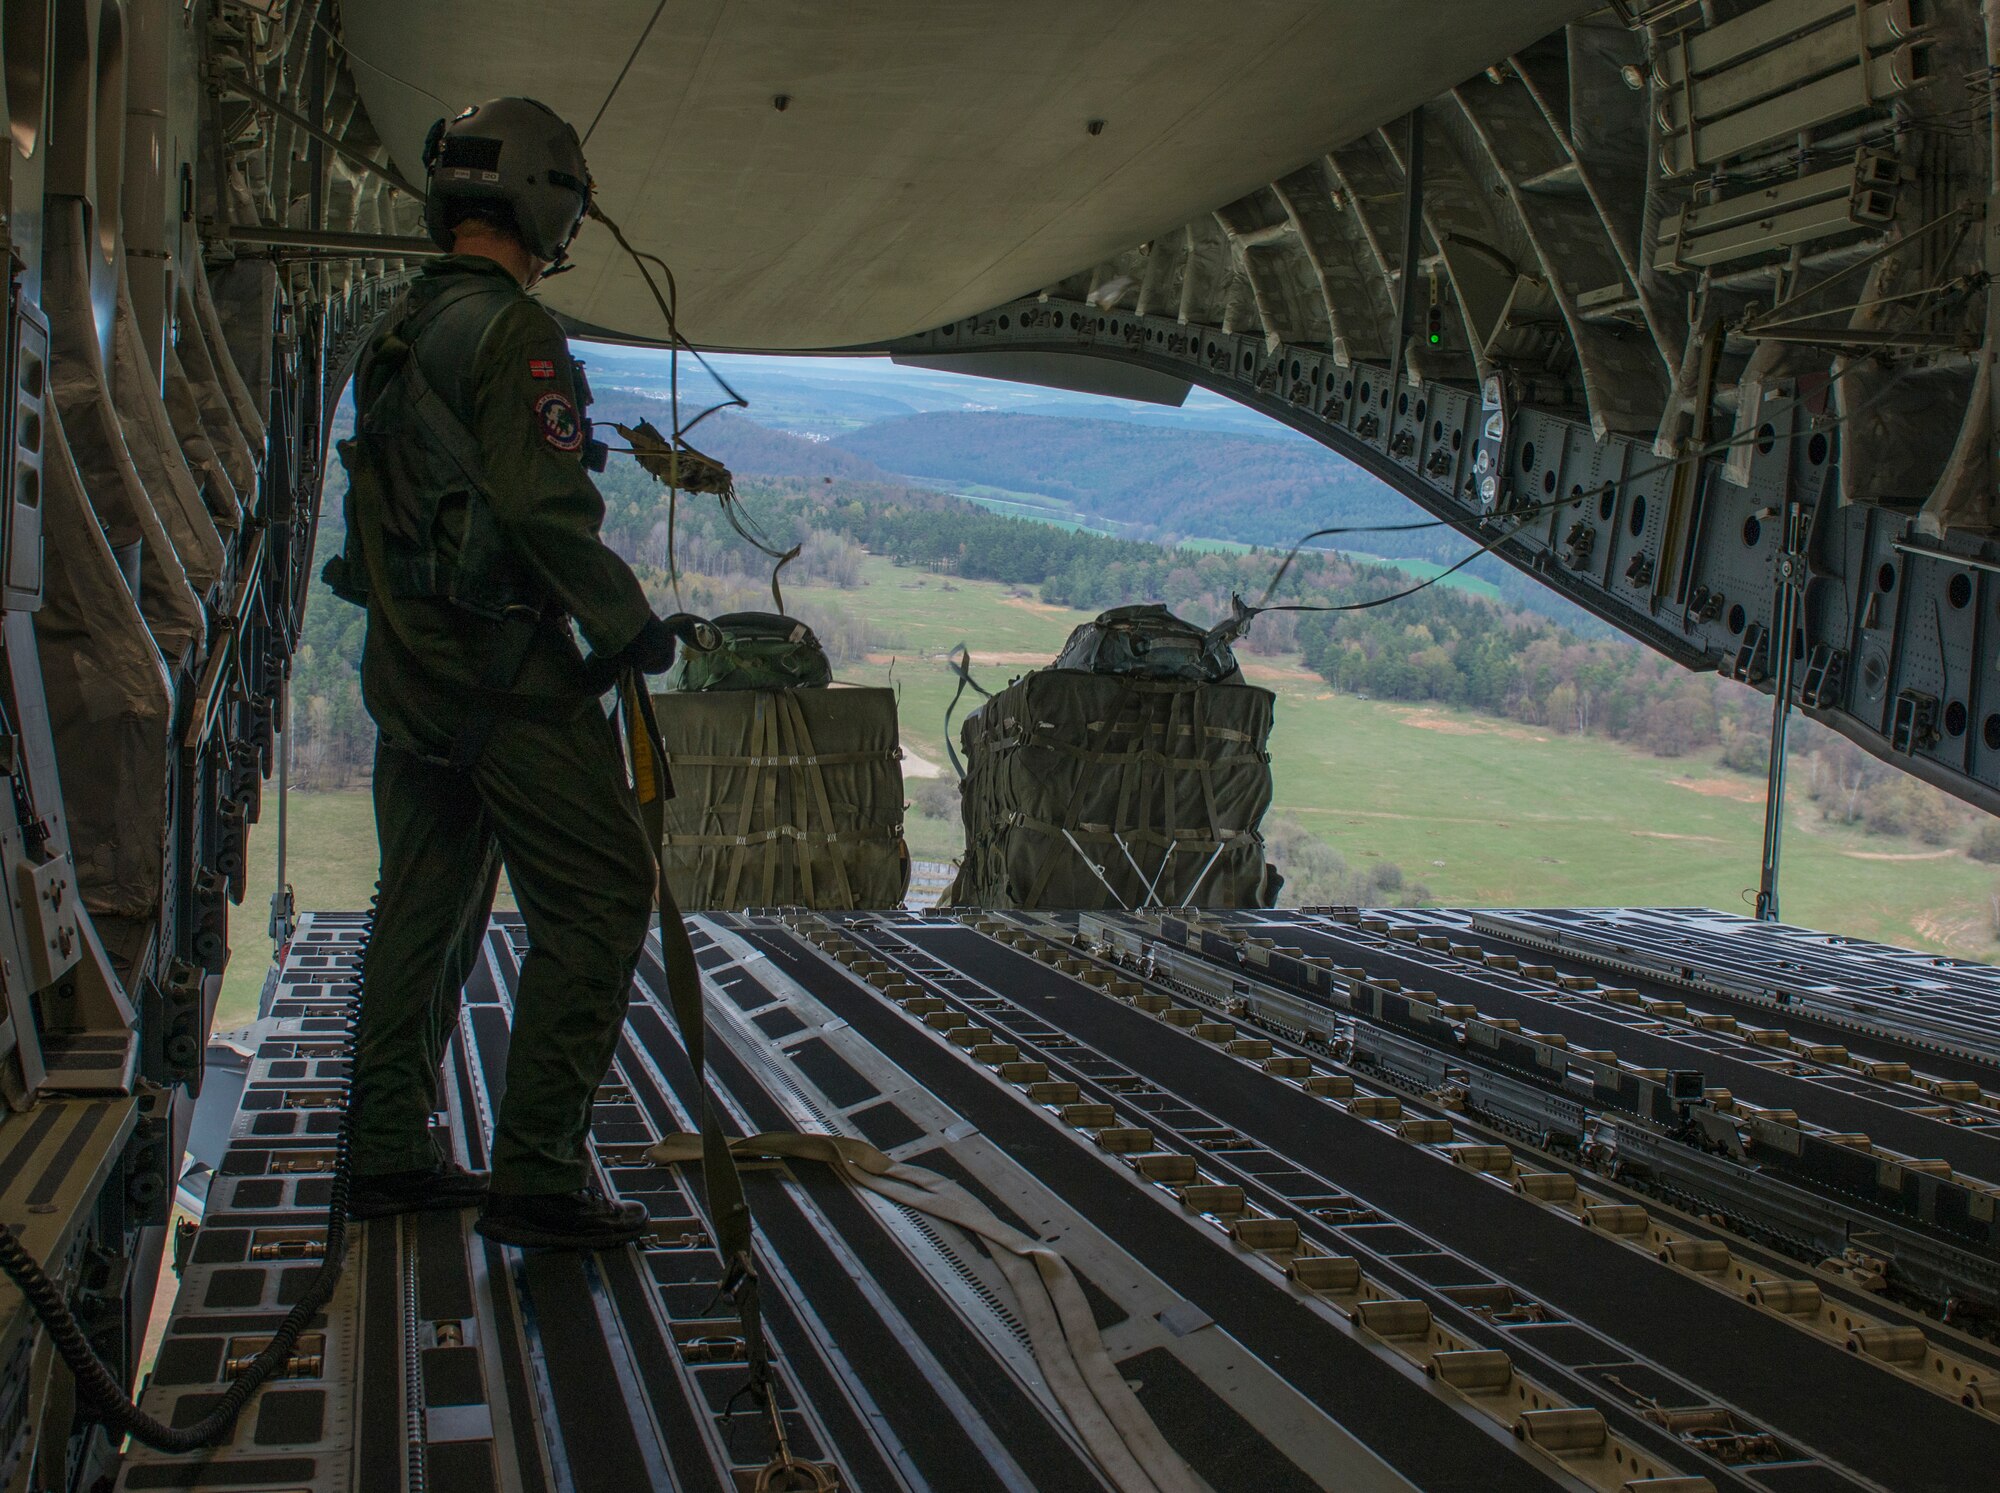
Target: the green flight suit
(542, 789)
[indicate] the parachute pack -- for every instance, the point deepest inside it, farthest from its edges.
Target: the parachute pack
(1149, 642)
(1132, 772)
(759, 650)
(788, 790)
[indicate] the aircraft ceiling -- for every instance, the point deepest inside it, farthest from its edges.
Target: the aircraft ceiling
(933, 159)
(1680, 308)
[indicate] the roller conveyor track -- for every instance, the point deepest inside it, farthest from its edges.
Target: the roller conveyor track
(448, 1363)
(1873, 1022)
(1471, 1233)
(1811, 1186)
(1835, 1097)
(1934, 1011)
(453, 1364)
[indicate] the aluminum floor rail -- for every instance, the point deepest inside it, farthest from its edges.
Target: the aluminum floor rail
(1315, 1272)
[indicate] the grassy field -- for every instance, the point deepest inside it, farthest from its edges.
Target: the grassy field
(330, 862)
(1424, 570)
(1480, 811)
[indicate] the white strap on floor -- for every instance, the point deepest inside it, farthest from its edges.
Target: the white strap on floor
(1116, 1430)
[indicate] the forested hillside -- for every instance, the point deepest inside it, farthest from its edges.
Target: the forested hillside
(1168, 483)
(1437, 645)
(1243, 489)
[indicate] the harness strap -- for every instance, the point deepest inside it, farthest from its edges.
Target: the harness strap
(729, 1213)
(448, 433)
(440, 422)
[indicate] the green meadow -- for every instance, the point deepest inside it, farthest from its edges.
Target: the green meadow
(1479, 811)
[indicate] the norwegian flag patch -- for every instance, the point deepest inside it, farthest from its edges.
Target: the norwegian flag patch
(541, 368)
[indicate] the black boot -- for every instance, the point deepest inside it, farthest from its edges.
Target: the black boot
(380, 1196)
(584, 1219)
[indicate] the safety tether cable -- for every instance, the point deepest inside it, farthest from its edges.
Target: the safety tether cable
(729, 1211)
(669, 457)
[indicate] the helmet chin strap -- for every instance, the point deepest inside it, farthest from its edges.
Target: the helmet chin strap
(562, 264)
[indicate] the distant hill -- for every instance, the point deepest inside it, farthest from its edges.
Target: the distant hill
(1168, 482)
(833, 395)
(1187, 484)
(1151, 481)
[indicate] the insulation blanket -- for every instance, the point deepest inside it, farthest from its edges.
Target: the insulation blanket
(1091, 790)
(784, 798)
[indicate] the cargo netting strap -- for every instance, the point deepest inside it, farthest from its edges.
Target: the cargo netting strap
(1121, 1438)
(729, 1213)
(816, 759)
(1093, 832)
(961, 665)
(793, 720)
(776, 832)
(746, 808)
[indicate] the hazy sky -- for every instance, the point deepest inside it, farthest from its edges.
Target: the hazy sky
(801, 392)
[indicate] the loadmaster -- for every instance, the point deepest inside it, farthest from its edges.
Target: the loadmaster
(473, 542)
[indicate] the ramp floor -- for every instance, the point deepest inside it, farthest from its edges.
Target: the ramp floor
(1312, 1270)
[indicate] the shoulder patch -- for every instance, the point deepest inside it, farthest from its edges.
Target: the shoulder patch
(541, 368)
(561, 429)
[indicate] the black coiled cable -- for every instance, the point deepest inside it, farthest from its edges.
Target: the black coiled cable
(98, 1389)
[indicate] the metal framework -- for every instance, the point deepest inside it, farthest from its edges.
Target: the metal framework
(1713, 359)
(1655, 339)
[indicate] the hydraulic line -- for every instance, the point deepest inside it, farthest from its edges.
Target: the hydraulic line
(98, 1388)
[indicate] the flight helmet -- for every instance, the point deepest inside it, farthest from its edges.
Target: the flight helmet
(514, 159)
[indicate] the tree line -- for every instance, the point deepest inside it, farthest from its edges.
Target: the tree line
(1440, 645)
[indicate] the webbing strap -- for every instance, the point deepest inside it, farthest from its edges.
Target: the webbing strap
(746, 809)
(1028, 735)
(729, 1213)
(779, 832)
(795, 804)
(1210, 810)
(1116, 1432)
(1109, 834)
(962, 667)
(438, 419)
(802, 736)
(817, 759)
